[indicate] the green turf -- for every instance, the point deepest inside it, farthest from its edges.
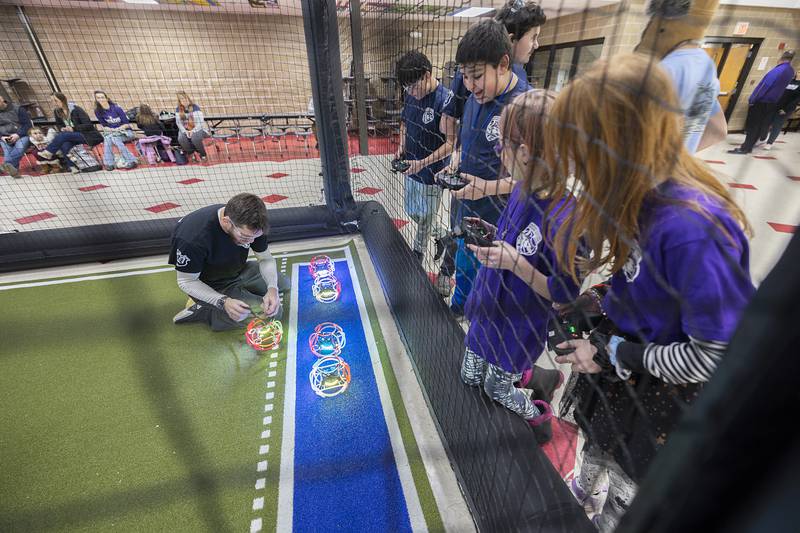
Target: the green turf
(114, 419)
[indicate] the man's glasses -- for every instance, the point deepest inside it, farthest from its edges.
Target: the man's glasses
(245, 236)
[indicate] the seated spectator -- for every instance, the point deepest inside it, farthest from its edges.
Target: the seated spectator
(73, 118)
(116, 131)
(192, 126)
(14, 125)
(154, 141)
(40, 141)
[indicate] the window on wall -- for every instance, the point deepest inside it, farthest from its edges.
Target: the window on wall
(553, 66)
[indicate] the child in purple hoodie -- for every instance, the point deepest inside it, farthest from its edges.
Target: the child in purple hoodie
(116, 130)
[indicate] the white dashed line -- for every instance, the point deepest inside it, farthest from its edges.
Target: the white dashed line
(272, 374)
(258, 503)
(270, 384)
(263, 449)
(261, 483)
(265, 434)
(273, 364)
(267, 420)
(269, 395)
(255, 525)
(268, 408)
(262, 466)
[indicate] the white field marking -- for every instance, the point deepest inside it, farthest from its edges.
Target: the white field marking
(272, 374)
(267, 420)
(270, 384)
(255, 525)
(286, 484)
(269, 395)
(261, 483)
(262, 466)
(84, 278)
(265, 434)
(273, 364)
(398, 448)
(95, 277)
(258, 503)
(268, 408)
(274, 356)
(263, 449)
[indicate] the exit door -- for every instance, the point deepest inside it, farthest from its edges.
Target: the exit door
(734, 57)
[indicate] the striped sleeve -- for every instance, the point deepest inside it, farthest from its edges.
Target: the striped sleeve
(684, 362)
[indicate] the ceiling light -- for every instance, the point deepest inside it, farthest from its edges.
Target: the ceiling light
(472, 12)
(140, 1)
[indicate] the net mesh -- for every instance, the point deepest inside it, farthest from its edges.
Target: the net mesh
(649, 281)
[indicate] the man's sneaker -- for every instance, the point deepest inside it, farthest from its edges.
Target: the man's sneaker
(444, 285)
(10, 169)
(190, 314)
(767, 147)
(592, 503)
(543, 381)
(542, 427)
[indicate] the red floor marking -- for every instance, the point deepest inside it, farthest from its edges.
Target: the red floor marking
(92, 187)
(714, 162)
(763, 157)
(782, 228)
(274, 198)
(742, 186)
(399, 223)
(795, 178)
(34, 218)
(369, 190)
(780, 142)
(277, 175)
(357, 170)
(190, 181)
(561, 449)
(162, 207)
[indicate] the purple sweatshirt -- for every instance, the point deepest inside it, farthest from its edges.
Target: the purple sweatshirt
(770, 89)
(114, 116)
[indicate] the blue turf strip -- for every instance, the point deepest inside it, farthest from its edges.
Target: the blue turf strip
(345, 475)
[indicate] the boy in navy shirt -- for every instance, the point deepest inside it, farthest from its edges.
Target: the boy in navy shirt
(485, 58)
(422, 145)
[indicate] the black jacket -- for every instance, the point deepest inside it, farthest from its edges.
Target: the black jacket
(81, 123)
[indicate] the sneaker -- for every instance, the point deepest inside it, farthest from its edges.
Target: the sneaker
(10, 169)
(543, 381)
(203, 159)
(444, 284)
(767, 147)
(44, 154)
(592, 503)
(109, 167)
(190, 314)
(541, 424)
(738, 151)
(75, 170)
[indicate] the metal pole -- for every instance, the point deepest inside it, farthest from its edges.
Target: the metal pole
(37, 47)
(356, 37)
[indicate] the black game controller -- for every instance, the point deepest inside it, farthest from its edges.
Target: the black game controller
(562, 330)
(398, 165)
(452, 181)
(475, 233)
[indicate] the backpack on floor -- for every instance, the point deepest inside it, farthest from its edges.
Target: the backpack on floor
(83, 159)
(180, 156)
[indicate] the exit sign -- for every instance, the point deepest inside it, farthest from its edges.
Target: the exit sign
(741, 28)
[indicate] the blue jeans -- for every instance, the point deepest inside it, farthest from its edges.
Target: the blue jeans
(113, 139)
(467, 266)
(64, 142)
(12, 153)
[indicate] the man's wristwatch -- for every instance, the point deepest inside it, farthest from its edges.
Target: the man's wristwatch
(221, 303)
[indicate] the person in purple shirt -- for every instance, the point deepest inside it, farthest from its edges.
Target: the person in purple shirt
(674, 242)
(116, 130)
(511, 301)
(764, 101)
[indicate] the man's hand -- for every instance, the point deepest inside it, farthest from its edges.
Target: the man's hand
(67, 128)
(399, 153)
(13, 138)
(500, 255)
(271, 302)
(415, 166)
(236, 309)
(474, 190)
(582, 359)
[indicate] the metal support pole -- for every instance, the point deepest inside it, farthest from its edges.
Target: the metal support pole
(356, 37)
(325, 66)
(37, 47)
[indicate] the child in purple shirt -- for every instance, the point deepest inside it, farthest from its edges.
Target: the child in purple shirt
(674, 242)
(116, 130)
(511, 301)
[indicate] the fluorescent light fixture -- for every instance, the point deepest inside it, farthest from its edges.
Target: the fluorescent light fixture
(415, 34)
(140, 1)
(472, 12)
